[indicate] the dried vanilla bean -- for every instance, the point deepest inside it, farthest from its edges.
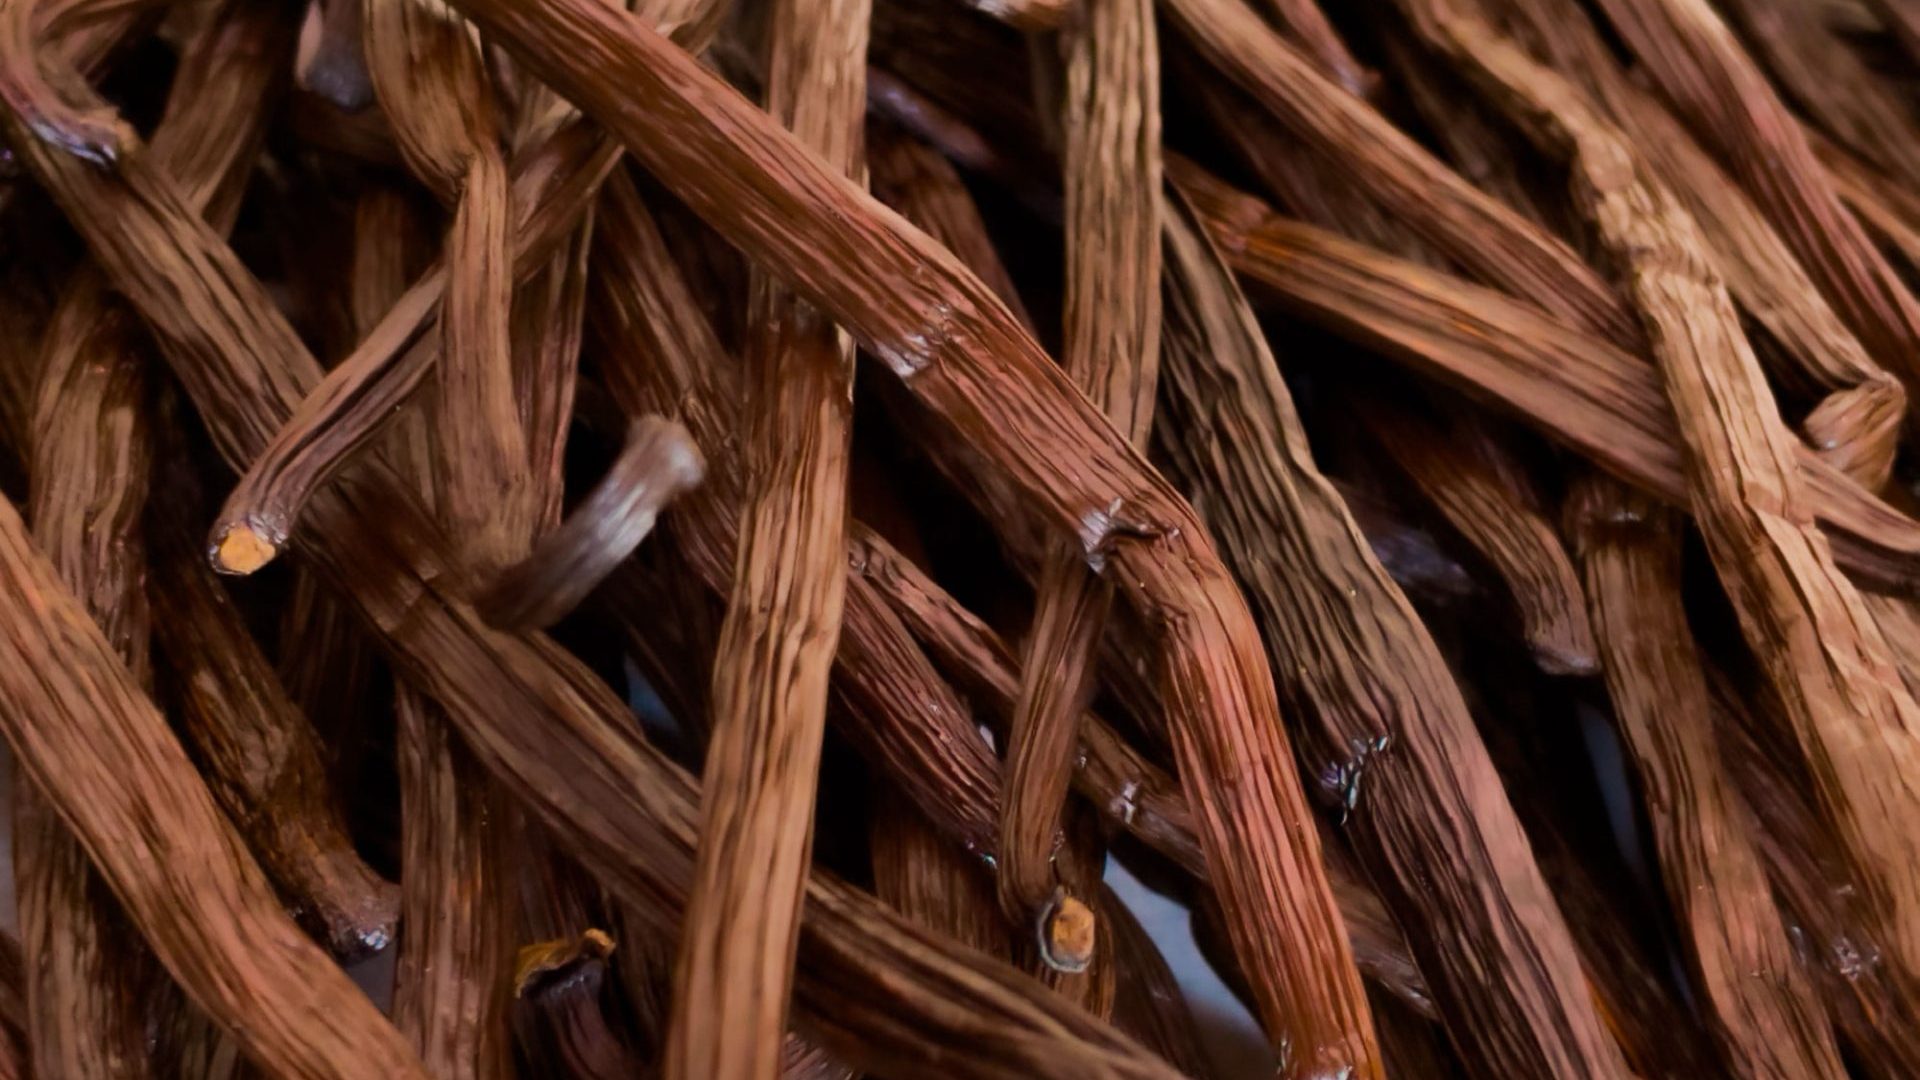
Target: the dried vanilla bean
(921, 183)
(1469, 134)
(657, 464)
(942, 777)
(450, 993)
(1507, 905)
(91, 470)
(549, 327)
(1635, 999)
(1768, 1025)
(777, 643)
(1128, 793)
(1855, 427)
(937, 48)
(905, 106)
(1903, 18)
(1816, 893)
(1494, 243)
(924, 877)
(1397, 756)
(85, 1006)
(1888, 210)
(450, 987)
(916, 868)
(559, 1021)
(91, 463)
(263, 760)
(1070, 945)
(1306, 26)
(637, 815)
(916, 180)
(1112, 328)
(553, 184)
(567, 1012)
(325, 660)
(1314, 189)
(428, 74)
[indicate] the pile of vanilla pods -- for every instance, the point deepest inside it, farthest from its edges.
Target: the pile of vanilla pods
(734, 539)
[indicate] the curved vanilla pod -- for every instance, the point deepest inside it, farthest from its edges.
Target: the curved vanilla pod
(658, 463)
(266, 763)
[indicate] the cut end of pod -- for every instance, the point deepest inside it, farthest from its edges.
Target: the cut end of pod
(242, 551)
(1066, 934)
(545, 957)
